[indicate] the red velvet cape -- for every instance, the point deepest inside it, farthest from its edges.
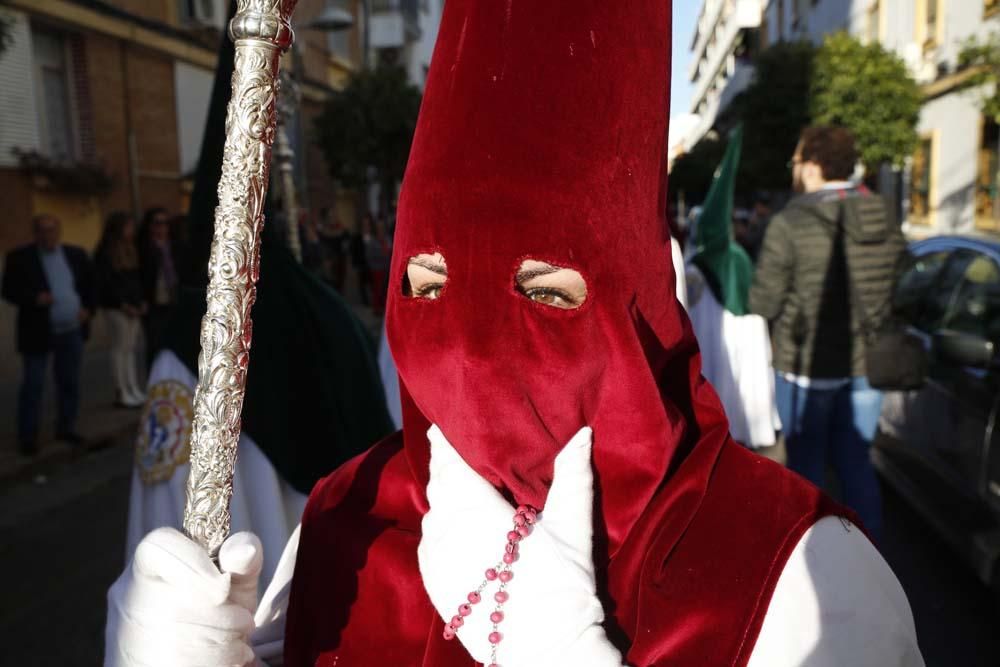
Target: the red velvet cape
(542, 135)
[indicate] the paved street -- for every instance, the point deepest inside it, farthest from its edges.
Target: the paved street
(61, 546)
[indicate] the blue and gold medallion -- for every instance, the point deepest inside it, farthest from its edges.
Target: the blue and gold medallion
(164, 440)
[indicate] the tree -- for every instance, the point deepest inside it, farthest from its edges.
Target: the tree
(774, 109)
(692, 172)
(370, 124)
(868, 90)
(980, 60)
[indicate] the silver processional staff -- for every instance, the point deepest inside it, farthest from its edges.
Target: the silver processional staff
(261, 32)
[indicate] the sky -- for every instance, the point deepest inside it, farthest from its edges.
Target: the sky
(685, 18)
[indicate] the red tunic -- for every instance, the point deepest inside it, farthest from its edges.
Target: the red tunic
(357, 597)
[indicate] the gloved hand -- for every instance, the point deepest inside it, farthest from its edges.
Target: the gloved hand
(552, 617)
(173, 607)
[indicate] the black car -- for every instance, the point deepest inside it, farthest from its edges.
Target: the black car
(939, 447)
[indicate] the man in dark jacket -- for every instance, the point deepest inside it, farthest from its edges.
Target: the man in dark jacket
(824, 280)
(52, 286)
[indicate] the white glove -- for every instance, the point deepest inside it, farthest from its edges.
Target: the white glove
(173, 607)
(553, 616)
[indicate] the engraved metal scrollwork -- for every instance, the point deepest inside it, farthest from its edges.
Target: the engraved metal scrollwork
(261, 32)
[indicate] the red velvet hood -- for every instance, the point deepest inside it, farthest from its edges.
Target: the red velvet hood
(542, 135)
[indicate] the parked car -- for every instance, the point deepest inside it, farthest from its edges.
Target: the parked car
(939, 447)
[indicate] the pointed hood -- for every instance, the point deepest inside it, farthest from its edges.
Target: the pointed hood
(727, 267)
(542, 136)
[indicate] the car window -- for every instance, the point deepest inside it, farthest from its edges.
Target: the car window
(939, 302)
(915, 285)
(975, 306)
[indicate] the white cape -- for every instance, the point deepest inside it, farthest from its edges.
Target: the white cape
(263, 502)
(736, 359)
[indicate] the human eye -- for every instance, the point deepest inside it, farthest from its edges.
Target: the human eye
(429, 291)
(550, 297)
(425, 276)
(551, 285)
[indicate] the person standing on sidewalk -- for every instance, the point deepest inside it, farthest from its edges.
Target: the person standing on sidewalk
(157, 264)
(121, 297)
(52, 286)
(828, 259)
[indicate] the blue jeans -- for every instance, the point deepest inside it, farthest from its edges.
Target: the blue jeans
(835, 425)
(67, 353)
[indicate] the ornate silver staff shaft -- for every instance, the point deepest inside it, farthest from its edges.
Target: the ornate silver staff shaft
(261, 32)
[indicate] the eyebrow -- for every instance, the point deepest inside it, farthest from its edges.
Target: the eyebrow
(525, 275)
(431, 266)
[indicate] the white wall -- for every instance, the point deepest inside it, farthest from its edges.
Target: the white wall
(955, 124)
(954, 118)
(18, 113)
(193, 86)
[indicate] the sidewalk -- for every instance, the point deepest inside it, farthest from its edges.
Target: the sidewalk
(100, 423)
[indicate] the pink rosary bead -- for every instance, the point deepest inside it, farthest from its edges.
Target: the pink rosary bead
(524, 518)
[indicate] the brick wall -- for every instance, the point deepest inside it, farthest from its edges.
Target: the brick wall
(15, 227)
(81, 92)
(126, 74)
(157, 10)
(107, 109)
(154, 122)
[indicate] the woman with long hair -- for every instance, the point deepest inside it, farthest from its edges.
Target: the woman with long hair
(158, 267)
(119, 284)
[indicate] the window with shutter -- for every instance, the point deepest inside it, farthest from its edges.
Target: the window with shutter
(53, 91)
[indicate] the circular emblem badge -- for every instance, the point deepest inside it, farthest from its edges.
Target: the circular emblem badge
(164, 440)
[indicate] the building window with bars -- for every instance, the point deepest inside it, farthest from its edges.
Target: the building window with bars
(929, 23)
(988, 177)
(921, 182)
(57, 129)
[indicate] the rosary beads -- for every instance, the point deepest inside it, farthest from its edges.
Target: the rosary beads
(524, 518)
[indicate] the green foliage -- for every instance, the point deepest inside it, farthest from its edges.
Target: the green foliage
(370, 123)
(774, 110)
(692, 172)
(868, 90)
(981, 59)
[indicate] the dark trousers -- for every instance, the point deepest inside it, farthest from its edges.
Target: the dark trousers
(154, 327)
(834, 425)
(67, 354)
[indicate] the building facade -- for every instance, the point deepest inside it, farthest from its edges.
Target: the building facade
(725, 41)
(950, 183)
(104, 105)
